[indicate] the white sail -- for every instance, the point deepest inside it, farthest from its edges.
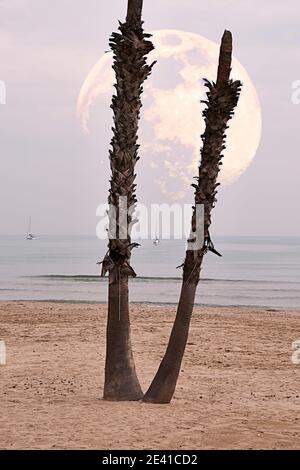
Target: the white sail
(29, 234)
(157, 240)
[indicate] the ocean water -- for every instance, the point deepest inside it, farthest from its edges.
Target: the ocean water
(254, 271)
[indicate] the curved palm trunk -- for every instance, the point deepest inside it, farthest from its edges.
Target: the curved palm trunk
(130, 47)
(222, 98)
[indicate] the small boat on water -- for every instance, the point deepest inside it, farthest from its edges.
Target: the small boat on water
(29, 234)
(156, 240)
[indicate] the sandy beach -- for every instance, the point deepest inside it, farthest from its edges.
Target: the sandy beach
(238, 387)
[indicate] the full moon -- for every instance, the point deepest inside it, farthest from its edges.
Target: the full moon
(172, 122)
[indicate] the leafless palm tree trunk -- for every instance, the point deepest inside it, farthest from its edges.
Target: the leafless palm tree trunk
(222, 98)
(130, 47)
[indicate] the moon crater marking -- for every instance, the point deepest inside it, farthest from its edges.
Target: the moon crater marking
(172, 123)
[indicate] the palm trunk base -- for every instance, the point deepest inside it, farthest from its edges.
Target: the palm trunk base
(126, 389)
(160, 392)
(121, 382)
(164, 383)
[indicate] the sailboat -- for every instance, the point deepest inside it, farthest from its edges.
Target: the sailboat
(156, 241)
(29, 234)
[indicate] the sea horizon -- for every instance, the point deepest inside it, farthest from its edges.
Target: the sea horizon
(254, 271)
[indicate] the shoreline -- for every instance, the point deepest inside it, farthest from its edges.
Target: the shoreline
(238, 387)
(257, 308)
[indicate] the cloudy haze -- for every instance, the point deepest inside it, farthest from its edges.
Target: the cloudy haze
(54, 172)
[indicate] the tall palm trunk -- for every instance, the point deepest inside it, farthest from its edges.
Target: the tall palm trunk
(130, 47)
(222, 98)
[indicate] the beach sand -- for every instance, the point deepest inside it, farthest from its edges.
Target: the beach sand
(238, 387)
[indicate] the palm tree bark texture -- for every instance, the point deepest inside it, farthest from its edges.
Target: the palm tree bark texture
(222, 98)
(130, 47)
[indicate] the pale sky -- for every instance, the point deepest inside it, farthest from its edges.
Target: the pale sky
(52, 171)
